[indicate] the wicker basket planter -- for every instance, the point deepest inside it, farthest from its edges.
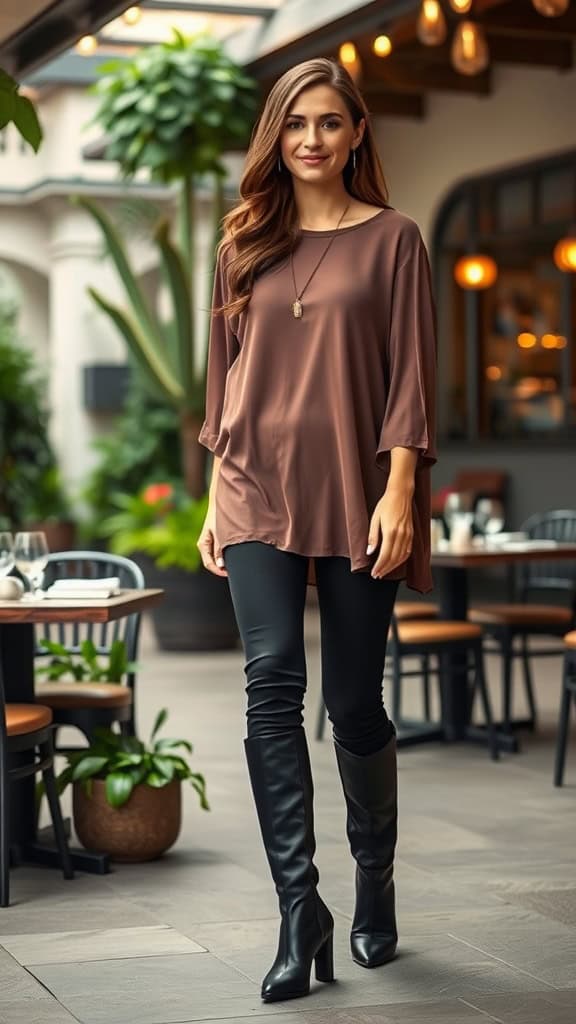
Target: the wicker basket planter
(142, 829)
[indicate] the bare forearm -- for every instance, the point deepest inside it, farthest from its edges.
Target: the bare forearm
(214, 478)
(402, 469)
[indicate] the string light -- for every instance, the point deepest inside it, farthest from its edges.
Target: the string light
(87, 45)
(348, 54)
(475, 272)
(469, 52)
(431, 25)
(382, 46)
(551, 8)
(132, 15)
(461, 6)
(565, 255)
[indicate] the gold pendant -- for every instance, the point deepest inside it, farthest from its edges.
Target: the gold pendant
(297, 309)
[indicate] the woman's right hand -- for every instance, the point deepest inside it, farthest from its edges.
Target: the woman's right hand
(208, 546)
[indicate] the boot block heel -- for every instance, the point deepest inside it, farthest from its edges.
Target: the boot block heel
(324, 961)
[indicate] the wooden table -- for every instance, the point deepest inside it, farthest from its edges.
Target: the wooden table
(17, 648)
(451, 572)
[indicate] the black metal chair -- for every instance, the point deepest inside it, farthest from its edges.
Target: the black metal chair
(568, 695)
(91, 704)
(27, 729)
(505, 624)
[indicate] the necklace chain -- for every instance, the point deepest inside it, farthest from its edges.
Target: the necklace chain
(297, 307)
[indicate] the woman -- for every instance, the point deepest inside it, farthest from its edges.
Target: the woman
(320, 415)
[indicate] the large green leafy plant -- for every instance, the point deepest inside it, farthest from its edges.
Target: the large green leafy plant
(30, 486)
(174, 110)
(124, 762)
(88, 664)
(19, 110)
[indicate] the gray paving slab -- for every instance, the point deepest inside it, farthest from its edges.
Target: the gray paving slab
(102, 944)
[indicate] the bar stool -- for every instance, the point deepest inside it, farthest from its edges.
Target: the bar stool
(27, 728)
(568, 693)
(430, 638)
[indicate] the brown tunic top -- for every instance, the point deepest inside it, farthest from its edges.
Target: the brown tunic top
(303, 413)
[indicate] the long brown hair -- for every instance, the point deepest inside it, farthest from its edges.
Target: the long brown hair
(263, 228)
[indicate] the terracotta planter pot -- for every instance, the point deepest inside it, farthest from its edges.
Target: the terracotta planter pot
(144, 828)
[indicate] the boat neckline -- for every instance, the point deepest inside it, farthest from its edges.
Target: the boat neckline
(350, 227)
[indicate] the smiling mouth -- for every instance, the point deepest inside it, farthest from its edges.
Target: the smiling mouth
(312, 159)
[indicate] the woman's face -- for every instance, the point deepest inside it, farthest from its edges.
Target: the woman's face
(317, 135)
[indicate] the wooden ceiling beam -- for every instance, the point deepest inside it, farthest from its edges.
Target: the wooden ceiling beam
(394, 104)
(414, 76)
(550, 53)
(525, 22)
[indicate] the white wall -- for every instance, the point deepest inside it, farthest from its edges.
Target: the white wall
(531, 112)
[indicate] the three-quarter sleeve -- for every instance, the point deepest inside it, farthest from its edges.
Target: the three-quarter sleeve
(222, 350)
(410, 414)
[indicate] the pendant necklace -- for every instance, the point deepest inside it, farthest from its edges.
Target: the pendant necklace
(297, 307)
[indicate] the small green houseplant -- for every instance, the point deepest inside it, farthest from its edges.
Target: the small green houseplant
(87, 664)
(127, 793)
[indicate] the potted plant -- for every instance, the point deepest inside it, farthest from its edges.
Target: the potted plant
(174, 110)
(32, 496)
(160, 527)
(18, 109)
(87, 665)
(127, 798)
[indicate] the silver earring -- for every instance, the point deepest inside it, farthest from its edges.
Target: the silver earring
(354, 159)
(279, 165)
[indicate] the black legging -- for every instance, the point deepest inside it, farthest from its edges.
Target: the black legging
(268, 589)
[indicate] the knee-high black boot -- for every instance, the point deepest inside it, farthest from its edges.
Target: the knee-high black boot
(281, 780)
(370, 789)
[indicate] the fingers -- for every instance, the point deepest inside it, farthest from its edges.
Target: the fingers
(210, 553)
(395, 549)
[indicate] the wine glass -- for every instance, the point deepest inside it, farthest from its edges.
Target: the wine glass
(489, 516)
(6, 553)
(31, 557)
(458, 504)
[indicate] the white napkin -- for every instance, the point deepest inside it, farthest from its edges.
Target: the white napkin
(81, 589)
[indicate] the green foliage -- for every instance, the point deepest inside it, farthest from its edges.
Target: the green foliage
(18, 109)
(88, 664)
(175, 107)
(125, 762)
(167, 531)
(31, 488)
(144, 447)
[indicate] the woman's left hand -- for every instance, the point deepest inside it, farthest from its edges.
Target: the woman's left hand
(392, 520)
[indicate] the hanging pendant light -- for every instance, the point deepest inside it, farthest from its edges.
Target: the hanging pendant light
(475, 271)
(565, 254)
(461, 6)
(132, 15)
(350, 58)
(470, 54)
(431, 25)
(382, 46)
(551, 8)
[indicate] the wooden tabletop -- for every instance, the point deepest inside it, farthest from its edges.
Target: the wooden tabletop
(66, 610)
(504, 555)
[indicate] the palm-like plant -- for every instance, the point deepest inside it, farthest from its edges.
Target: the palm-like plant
(175, 109)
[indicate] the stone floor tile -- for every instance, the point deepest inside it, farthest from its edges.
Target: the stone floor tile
(103, 944)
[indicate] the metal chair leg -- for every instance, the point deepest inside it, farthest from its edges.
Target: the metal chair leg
(563, 723)
(396, 685)
(426, 686)
(507, 685)
(480, 682)
(4, 837)
(528, 683)
(56, 813)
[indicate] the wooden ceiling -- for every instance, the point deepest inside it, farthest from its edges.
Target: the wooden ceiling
(400, 83)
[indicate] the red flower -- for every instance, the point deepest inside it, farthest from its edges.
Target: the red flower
(156, 493)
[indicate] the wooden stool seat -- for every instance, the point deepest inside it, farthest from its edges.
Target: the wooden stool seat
(407, 610)
(84, 695)
(570, 640)
(441, 632)
(26, 718)
(520, 615)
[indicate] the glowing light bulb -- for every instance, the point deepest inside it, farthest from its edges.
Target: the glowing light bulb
(565, 254)
(461, 6)
(551, 8)
(132, 15)
(348, 53)
(431, 25)
(382, 46)
(87, 45)
(469, 52)
(526, 340)
(475, 272)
